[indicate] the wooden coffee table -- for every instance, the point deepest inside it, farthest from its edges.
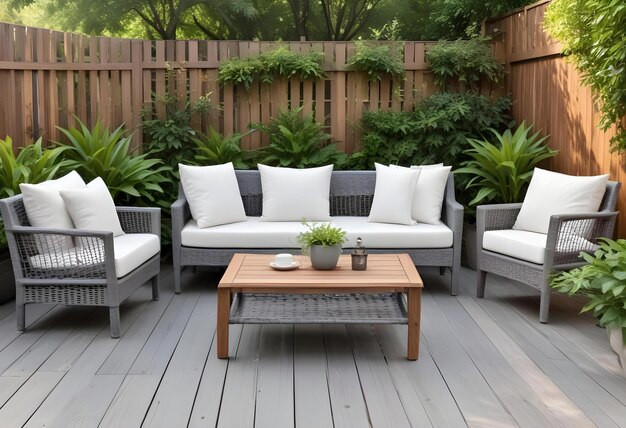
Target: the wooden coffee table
(252, 292)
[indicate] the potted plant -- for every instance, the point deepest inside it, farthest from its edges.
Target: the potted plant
(500, 173)
(603, 280)
(323, 244)
(33, 164)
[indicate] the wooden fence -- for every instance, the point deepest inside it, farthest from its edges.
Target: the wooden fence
(547, 92)
(48, 77)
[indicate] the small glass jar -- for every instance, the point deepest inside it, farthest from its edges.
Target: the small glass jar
(359, 256)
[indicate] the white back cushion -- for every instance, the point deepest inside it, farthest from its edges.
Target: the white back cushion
(429, 192)
(213, 194)
(393, 195)
(45, 208)
(291, 194)
(551, 193)
(92, 208)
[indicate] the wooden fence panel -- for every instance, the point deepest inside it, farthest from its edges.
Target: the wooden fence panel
(50, 77)
(547, 92)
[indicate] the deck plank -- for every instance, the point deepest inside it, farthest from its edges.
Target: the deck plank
(173, 402)
(240, 387)
(312, 402)
(346, 398)
(275, 392)
(383, 403)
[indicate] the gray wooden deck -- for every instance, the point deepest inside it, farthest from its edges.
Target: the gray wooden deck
(483, 363)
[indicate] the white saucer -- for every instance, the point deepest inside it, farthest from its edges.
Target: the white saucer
(294, 265)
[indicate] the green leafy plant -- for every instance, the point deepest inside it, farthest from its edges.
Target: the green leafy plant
(463, 61)
(501, 172)
(101, 153)
(324, 234)
(593, 33)
(378, 60)
(436, 131)
(171, 138)
(267, 66)
(297, 141)
(215, 149)
(33, 164)
(603, 281)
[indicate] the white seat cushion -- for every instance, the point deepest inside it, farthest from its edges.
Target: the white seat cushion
(131, 251)
(528, 246)
(384, 235)
(257, 234)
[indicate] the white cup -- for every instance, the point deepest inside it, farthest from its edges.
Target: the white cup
(283, 259)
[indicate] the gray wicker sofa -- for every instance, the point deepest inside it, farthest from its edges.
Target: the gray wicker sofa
(351, 195)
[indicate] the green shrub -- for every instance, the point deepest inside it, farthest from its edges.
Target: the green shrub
(297, 141)
(501, 172)
(267, 66)
(593, 33)
(378, 60)
(33, 164)
(101, 153)
(171, 139)
(215, 149)
(603, 281)
(465, 61)
(436, 131)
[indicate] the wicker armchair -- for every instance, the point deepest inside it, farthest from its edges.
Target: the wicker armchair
(562, 250)
(85, 275)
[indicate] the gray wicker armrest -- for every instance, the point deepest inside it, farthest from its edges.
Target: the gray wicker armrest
(496, 216)
(42, 253)
(453, 217)
(140, 219)
(180, 216)
(571, 234)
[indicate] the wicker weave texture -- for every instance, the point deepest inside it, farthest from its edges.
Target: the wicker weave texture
(380, 308)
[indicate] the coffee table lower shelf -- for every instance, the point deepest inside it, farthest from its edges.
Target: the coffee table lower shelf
(366, 308)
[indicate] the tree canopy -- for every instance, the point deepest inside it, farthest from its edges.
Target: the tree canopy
(258, 19)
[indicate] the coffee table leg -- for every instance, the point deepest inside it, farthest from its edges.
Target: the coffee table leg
(414, 298)
(223, 314)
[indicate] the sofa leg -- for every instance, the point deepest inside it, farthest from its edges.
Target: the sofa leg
(177, 271)
(480, 283)
(20, 314)
(454, 281)
(442, 270)
(155, 287)
(114, 315)
(544, 304)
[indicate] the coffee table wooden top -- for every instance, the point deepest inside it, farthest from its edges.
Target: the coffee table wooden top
(385, 272)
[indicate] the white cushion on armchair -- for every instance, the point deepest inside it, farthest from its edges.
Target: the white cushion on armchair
(552, 193)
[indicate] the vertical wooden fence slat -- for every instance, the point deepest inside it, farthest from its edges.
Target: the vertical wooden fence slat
(213, 86)
(137, 95)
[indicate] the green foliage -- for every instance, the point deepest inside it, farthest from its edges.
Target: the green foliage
(323, 234)
(215, 149)
(436, 132)
(603, 281)
(171, 138)
(593, 32)
(463, 61)
(267, 66)
(101, 153)
(297, 141)
(502, 171)
(378, 60)
(33, 164)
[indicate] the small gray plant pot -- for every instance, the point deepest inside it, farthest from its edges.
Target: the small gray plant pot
(324, 258)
